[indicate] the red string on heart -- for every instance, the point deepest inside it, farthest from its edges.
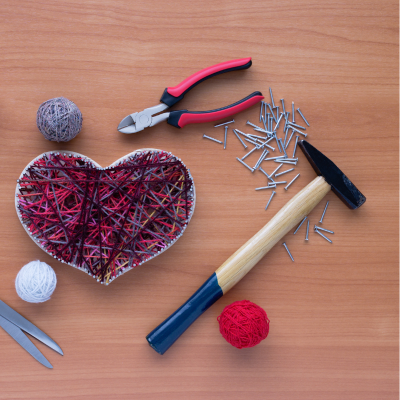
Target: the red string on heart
(105, 220)
(243, 324)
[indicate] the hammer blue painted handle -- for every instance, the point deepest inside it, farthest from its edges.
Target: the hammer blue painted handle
(165, 335)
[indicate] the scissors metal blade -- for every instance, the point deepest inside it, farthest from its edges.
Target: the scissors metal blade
(21, 322)
(23, 340)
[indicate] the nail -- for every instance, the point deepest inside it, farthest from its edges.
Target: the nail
(301, 223)
(319, 233)
(214, 140)
(254, 126)
(276, 169)
(272, 186)
(241, 141)
(277, 183)
(226, 134)
(322, 229)
(286, 187)
(269, 201)
(323, 214)
(308, 228)
(277, 124)
(284, 172)
(284, 140)
(261, 109)
(283, 148)
(287, 144)
(297, 126)
(258, 146)
(265, 125)
(264, 131)
(295, 145)
(301, 133)
(272, 98)
(282, 160)
(293, 111)
(261, 159)
(302, 116)
(225, 123)
(284, 244)
(272, 111)
(266, 174)
(242, 162)
(273, 158)
(278, 143)
(255, 148)
(283, 106)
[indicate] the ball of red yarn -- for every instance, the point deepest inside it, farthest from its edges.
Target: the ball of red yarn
(243, 324)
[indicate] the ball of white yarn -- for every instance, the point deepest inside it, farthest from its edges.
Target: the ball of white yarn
(36, 282)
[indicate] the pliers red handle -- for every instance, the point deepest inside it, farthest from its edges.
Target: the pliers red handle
(136, 122)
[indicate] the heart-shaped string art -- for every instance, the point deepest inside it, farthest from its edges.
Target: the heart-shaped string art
(105, 221)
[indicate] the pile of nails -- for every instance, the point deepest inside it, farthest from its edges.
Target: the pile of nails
(270, 115)
(317, 229)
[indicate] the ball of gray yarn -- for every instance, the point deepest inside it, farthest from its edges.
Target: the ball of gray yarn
(59, 119)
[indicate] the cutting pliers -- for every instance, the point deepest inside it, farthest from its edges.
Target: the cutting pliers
(136, 122)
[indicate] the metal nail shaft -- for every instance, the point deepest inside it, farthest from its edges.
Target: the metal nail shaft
(284, 172)
(297, 126)
(284, 244)
(214, 140)
(269, 201)
(247, 166)
(323, 229)
(295, 145)
(241, 141)
(226, 134)
(286, 187)
(272, 98)
(319, 233)
(225, 123)
(246, 155)
(302, 116)
(323, 214)
(276, 169)
(301, 223)
(267, 187)
(308, 228)
(293, 111)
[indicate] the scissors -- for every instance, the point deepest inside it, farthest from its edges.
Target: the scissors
(137, 121)
(14, 324)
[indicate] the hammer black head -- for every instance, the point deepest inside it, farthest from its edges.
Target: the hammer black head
(339, 182)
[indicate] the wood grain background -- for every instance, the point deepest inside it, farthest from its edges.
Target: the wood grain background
(334, 311)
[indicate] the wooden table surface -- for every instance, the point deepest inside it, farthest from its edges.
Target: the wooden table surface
(334, 311)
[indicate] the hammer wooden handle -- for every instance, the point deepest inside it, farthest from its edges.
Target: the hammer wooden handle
(239, 264)
(244, 259)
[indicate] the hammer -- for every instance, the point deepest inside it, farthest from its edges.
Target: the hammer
(240, 263)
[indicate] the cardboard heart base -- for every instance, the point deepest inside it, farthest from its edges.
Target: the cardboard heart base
(105, 221)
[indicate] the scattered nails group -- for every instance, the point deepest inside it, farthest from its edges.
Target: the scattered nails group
(269, 114)
(317, 229)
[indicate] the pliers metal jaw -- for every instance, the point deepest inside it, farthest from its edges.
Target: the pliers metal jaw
(138, 121)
